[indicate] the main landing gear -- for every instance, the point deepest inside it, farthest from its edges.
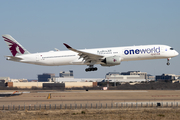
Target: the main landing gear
(168, 61)
(91, 68)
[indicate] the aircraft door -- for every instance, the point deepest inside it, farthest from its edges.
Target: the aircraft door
(162, 49)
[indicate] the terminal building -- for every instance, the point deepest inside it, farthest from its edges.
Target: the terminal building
(6, 79)
(45, 77)
(67, 76)
(167, 77)
(130, 76)
(142, 75)
(64, 74)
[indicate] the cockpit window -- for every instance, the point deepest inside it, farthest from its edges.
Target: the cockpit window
(171, 49)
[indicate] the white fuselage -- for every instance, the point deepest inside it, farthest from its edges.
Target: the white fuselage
(129, 53)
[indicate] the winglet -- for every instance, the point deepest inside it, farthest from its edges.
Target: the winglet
(67, 45)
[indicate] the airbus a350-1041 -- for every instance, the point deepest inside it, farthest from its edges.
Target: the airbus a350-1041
(104, 56)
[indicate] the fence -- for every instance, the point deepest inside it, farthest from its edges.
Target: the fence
(93, 106)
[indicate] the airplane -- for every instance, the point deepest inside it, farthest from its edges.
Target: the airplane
(104, 56)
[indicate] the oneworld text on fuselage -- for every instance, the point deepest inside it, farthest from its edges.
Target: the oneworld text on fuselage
(142, 51)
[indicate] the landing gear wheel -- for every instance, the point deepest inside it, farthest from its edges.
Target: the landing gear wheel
(168, 61)
(95, 69)
(91, 69)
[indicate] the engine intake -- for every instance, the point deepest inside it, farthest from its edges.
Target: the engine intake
(111, 61)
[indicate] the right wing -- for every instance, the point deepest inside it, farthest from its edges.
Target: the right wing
(87, 57)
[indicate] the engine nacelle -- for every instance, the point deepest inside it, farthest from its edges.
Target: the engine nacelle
(111, 61)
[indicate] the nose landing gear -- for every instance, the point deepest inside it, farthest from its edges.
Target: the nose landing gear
(168, 61)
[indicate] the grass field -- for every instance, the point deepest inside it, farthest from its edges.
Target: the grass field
(94, 114)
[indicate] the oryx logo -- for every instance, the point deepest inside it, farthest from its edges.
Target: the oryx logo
(14, 47)
(114, 60)
(142, 51)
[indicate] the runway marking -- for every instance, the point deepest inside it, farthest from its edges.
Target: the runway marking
(52, 92)
(51, 96)
(26, 92)
(105, 91)
(113, 91)
(94, 91)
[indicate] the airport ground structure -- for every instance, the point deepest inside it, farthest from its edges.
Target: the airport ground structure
(51, 84)
(123, 105)
(113, 80)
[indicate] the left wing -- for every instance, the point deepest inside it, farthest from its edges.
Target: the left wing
(87, 57)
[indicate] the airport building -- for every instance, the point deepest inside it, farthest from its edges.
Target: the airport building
(67, 76)
(130, 76)
(50, 84)
(6, 79)
(49, 80)
(142, 75)
(64, 74)
(45, 77)
(167, 77)
(67, 80)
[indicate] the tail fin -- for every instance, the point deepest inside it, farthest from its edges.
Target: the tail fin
(15, 48)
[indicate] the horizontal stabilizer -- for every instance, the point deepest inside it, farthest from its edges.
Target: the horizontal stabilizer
(13, 58)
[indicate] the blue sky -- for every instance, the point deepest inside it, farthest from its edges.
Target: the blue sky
(44, 25)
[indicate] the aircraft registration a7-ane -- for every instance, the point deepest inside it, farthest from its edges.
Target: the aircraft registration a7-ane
(104, 56)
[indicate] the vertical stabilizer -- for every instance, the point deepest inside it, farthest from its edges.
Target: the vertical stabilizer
(15, 48)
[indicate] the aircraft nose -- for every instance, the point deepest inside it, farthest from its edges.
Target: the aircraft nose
(176, 53)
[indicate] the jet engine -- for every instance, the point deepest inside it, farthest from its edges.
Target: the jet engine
(111, 61)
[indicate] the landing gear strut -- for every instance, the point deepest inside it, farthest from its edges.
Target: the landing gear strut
(91, 68)
(168, 61)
